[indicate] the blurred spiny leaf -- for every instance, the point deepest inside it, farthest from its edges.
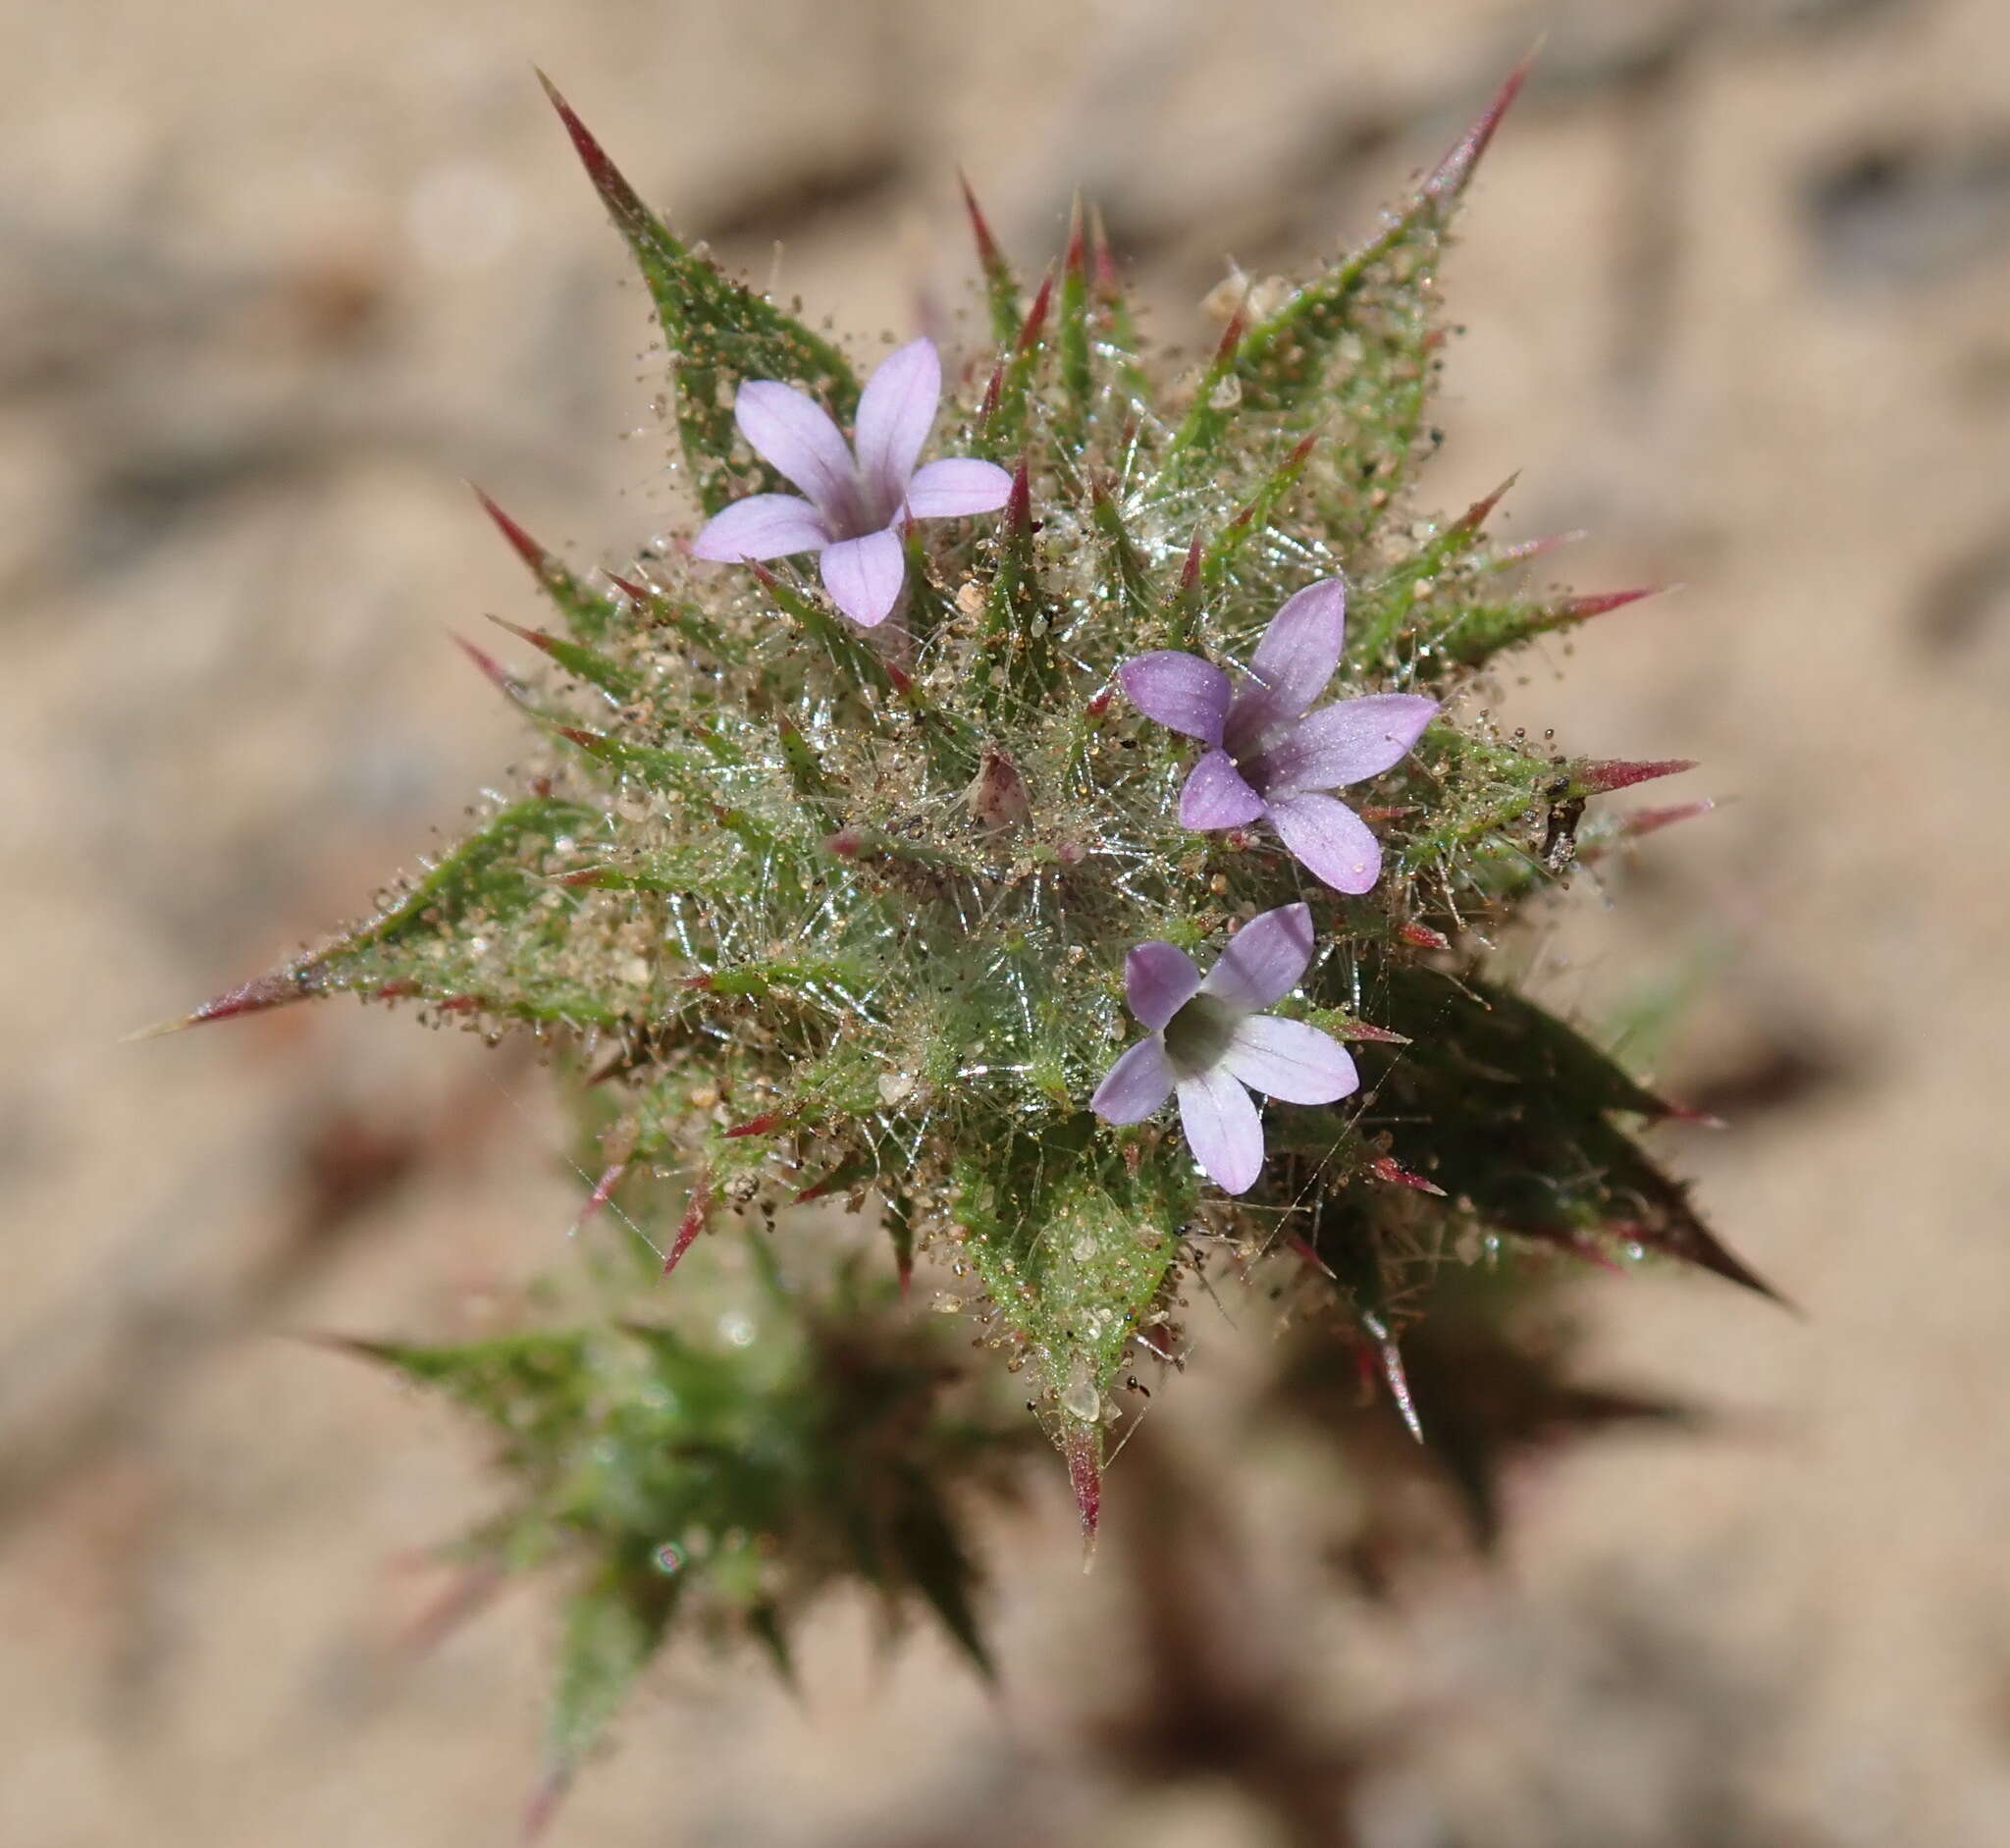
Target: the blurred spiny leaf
(1492, 1368)
(729, 1482)
(613, 1625)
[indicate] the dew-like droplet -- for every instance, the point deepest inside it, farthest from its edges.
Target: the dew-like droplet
(669, 1559)
(1079, 1399)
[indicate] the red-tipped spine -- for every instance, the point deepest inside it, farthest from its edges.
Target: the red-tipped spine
(1475, 516)
(1398, 1382)
(618, 196)
(994, 391)
(766, 1121)
(540, 639)
(845, 1175)
(1653, 820)
(1019, 504)
(542, 1803)
(1085, 1478)
(1601, 778)
(1597, 602)
(1448, 180)
(1035, 322)
(1231, 339)
(1275, 488)
(1371, 1035)
(471, 1589)
(1104, 274)
(1075, 262)
(1387, 1168)
(603, 1191)
(1703, 1252)
(1529, 549)
(989, 257)
(251, 997)
(1301, 1247)
(690, 1225)
(493, 670)
(525, 547)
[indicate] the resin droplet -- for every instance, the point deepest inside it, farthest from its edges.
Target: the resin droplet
(1079, 1399)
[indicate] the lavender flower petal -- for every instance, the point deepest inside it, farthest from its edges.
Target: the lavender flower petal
(1137, 1084)
(1349, 740)
(1301, 647)
(761, 526)
(1160, 979)
(793, 433)
(1289, 1060)
(863, 576)
(896, 410)
(1183, 692)
(955, 485)
(1256, 719)
(1264, 961)
(1216, 796)
(1222, 1129)
(1329, 839)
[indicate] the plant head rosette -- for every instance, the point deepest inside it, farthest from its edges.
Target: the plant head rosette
(1211, 1037)
(801, 914)
(857, 498)
(1270, 758)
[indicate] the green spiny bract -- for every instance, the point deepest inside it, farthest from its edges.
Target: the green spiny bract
(806, 909)
(721, 1483)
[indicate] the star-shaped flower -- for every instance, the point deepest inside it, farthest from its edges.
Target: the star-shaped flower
(1269, 758)
(860, 495)
(1211, 1037)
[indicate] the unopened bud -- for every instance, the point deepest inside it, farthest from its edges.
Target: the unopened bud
(997, 798)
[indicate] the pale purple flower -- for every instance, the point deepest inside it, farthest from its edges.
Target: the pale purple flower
(1269, 758)
(1211, 1037)
(857, 497)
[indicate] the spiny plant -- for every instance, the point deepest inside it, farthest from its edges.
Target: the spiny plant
(838, 885)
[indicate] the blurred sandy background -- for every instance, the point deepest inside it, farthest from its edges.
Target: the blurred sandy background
(1736, 281)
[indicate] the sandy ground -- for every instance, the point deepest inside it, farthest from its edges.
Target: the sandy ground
(1736, 287)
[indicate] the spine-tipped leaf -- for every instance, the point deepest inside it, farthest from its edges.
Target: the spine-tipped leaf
(718, 332)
